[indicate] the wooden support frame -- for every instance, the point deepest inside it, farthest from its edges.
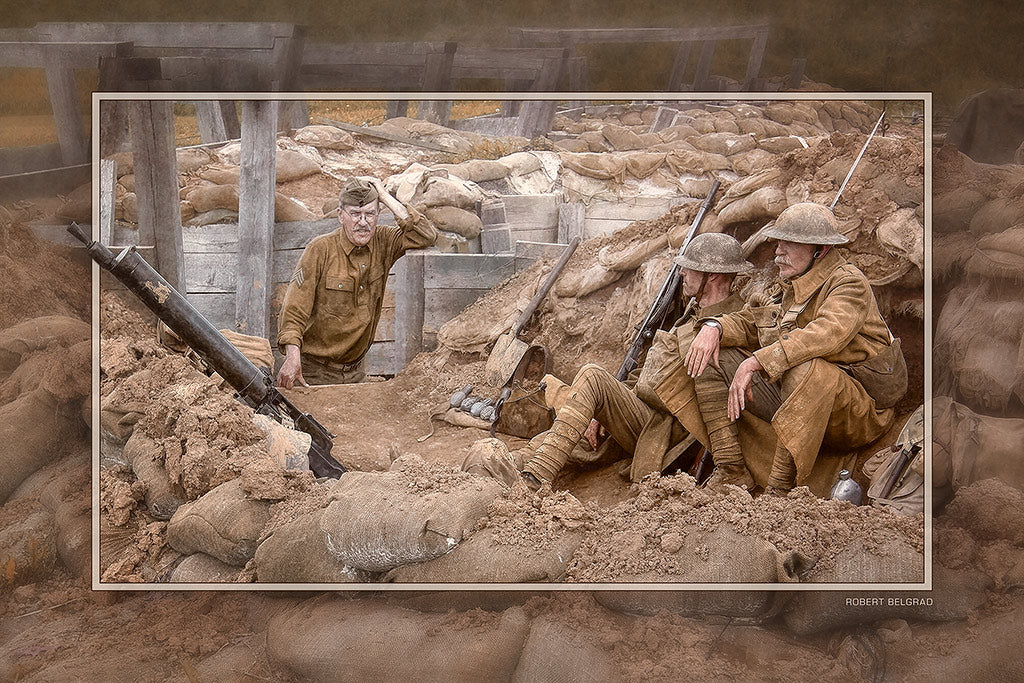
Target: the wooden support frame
(256, 185)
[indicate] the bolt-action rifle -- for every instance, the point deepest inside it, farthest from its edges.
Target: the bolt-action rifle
(255, 387)
(663, 302)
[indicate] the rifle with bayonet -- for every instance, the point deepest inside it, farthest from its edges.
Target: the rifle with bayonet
(666, 296)
(255, 386)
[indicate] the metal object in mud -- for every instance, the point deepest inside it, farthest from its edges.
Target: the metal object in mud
(468, 403)
(846, 489)
(479, 406)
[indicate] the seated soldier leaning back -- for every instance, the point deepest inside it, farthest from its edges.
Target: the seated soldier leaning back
(791, 364)
(333, 302)
(636, 418)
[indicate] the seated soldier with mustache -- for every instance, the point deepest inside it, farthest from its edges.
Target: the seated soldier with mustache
(333, 302)
(793, 364)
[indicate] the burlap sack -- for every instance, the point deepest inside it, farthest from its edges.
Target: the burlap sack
(522, 163)
(28, 548)
(954, 595)
(292, 165)
(454, 219)
(969, 447)
(438, 191)
(901, 233)
(297, 553)
(221, 174)
(146, 456)
(781, 144)
(192, 159)
(287, 210)
(490, 458)
(77, 205)
(224, 523)
(376, 522)
(336, 639)
(989, 510)
(581, 284)
(477, 170)
(479, 559)
(288, 448)
(209, 197)
(682, 161)
(325, 137)
(34, 429)
(754, 161)
(256, 349)
(18, 341)
(573, 145)
(202, 568)
(600, 166)
(761, 205)
(725, 144)
(720, 556)
(555, 652)
(678, 132)
(621, 139)
(997, 215)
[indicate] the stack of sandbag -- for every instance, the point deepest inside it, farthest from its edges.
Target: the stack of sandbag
(44, 418)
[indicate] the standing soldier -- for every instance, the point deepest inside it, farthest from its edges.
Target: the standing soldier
(794, 364)
(637, 418)
(333, 302)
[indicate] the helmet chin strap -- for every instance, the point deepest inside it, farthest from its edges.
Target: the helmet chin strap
(818, 253)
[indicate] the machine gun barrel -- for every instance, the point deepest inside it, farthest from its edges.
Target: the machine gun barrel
(255, 387)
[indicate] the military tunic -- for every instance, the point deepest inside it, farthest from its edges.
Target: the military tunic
(839, 325)
(333, 302)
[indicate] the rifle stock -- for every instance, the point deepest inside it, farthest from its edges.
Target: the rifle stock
(255, 387)
(655, 317)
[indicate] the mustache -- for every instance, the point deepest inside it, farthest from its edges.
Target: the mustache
(782, 261)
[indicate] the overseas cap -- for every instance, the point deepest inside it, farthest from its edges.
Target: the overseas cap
(807, 223)
(714, 252)
(357, 193)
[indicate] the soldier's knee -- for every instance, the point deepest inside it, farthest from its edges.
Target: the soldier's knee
(795, 376)
(588, 373)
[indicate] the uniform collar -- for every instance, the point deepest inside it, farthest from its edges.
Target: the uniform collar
(731, 303)
(807, 284)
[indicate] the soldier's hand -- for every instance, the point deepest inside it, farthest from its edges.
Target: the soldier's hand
(741, 390)
(290, 373)
(703, 350)
(595, 434)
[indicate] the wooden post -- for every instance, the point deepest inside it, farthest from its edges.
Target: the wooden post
(256, 185)
(437, 77)
(408, 283)
(535, 116)
(210, 118)
(756, 56)
(796, 73)
(675, 81)
(707, 53)
(108, 178)
(571, 216)
(60, 81)
(156, 185)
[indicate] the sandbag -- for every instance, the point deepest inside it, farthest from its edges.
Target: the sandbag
(453, 219)
(725, 144)
(288, 210)
(77, 205)
(558, 653)
(146, 456)
(901, 233)
(481, 559)
(202, 568)
(220, 174)
(325, 137)
(491, 458)
(781, 112)
(997, 215)
(209, 197)
(334, 639)
(600, 166)
(621, 139)
(761, 205)
(296, 552)
(377, 521)
(34, 429)
(224, 523)
(288, 448)
(990, 510)
(590, 280)
(633, 255)
(256, 349)
(522, 163)
(953, 596)
(754, 161)
(191, 159)
(477, 170)
(683, 161)
(781, 144)
(19, 340)
(292, 165)
(678, 132)
(969, 447)
(28, 547)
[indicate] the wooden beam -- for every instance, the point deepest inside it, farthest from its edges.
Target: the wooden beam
(156, 185)
(408, 285)
(637, 35)
(675, 79)
(210, 119)
(707, 54)
(756, 57)
(108, 179)
(67, 114)
(256, 216)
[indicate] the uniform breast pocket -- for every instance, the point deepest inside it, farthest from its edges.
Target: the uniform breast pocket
(338, 297)
(766, 318)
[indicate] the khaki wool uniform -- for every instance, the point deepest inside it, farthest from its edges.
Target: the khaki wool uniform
(634, 417)
(821, 403)
(333, 302)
